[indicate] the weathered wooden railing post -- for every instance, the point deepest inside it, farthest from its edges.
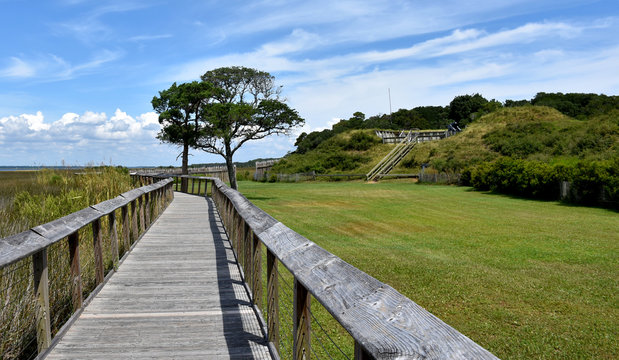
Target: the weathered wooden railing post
(98, 251)
(301, 322)
(158, 202)
(134, 221)
(41, 291)
(247, 253)
(124, 213)
(113, 234)
(141, 206)
(361, 354)
(147, 205)
(193, 182)
(272, 300)
(256, 287)
(76, 274)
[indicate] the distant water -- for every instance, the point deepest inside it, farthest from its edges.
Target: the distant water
(22, 168)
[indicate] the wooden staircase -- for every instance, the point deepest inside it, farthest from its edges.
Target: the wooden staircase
(393, 158)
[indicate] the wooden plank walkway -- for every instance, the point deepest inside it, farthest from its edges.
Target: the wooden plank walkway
(177, 295)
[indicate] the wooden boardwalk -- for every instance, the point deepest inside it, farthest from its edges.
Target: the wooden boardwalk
(177, 295)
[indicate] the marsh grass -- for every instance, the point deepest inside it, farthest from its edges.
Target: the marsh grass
(523, 278)
(33, 198)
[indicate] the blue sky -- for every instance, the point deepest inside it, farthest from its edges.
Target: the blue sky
(77, 76)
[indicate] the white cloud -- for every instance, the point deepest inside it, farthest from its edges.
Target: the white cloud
(149, 37)
(18, 69)
(50, 67)
(80, 129)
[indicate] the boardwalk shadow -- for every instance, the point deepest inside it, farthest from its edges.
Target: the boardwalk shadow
(237, 312)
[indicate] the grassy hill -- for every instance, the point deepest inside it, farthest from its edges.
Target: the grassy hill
(530, 133)
(536, 133)
(354, 151)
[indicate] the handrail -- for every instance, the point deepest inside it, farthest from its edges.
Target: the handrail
(384, 323)
(19, 246)
(151, 200)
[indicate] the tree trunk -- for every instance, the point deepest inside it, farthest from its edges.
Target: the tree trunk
(184, 168)
(230, 166)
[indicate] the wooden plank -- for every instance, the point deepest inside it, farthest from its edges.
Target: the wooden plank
(61, 228)
(19, 246)
(132, 194)
(176, 295)
(41, 291)
(108, 206)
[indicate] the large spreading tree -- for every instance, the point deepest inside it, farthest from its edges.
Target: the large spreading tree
(180, 110)
(245, 105)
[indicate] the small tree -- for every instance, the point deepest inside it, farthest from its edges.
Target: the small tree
(462, 107)
(246, 106)
(180, 110)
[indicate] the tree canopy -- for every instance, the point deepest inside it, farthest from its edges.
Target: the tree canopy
(180, 111)
(246, 105)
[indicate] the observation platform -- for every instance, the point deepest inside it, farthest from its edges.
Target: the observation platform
(178, 294)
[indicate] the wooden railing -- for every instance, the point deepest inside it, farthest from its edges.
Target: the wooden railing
(383, 323)
(138, 208)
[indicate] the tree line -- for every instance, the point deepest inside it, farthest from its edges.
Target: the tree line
(462, 110)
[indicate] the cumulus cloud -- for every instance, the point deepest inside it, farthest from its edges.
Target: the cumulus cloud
(89, 127)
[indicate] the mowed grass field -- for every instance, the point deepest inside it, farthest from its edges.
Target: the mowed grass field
(525, 279)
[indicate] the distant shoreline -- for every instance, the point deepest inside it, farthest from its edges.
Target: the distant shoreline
(34, 168)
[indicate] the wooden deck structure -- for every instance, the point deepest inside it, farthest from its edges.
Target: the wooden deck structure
(179, 294)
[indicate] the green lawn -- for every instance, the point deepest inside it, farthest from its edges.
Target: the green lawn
(523, 278)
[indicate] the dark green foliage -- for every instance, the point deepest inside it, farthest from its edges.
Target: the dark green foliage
(180, 110)
(361, 141)
(437, 117)
(517, 177)
(423, 117)
(514, 103)
(244, 106)
(464, 107)
(595, 182)
(355, 122)
(408, 119)
(579, 106)
(522, 139)
(306, 142)
(336, 154)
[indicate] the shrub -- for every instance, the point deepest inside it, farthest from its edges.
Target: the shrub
(593, 183)
(361, 141)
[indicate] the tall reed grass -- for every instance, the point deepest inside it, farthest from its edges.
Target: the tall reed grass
(28, 199)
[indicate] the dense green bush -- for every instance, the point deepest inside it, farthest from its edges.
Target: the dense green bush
(361, 141)
(592, 183)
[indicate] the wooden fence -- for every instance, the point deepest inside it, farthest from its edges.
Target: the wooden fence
(383, 323)
(220, 172)
(138, 208)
